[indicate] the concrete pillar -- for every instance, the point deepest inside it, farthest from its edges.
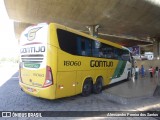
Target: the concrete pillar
(93, 30)
(156, 48)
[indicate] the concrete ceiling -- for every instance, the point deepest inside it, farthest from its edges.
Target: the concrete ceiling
(129, 22)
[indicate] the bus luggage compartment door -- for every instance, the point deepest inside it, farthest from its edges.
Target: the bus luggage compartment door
(66, 85)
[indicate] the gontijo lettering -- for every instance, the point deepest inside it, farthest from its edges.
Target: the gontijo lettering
(33, 49)
(99, 63)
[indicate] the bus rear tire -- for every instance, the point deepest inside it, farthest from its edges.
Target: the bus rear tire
(87, 87)
(97, 87)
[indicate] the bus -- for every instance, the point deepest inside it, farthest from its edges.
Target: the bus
(57, 61)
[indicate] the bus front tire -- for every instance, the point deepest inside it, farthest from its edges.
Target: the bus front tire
(97, 87)
(87, 87)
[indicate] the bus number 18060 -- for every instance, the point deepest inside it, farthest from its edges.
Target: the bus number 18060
(72, 63)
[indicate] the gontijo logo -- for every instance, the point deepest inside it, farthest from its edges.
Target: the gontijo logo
(32, 33)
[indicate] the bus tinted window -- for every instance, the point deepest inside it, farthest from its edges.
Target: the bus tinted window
(104, 51)
(116, 55)
(84, 46)
(79, 45)
(125, 55)
(67, 41)
(95, 49)
(74, 44)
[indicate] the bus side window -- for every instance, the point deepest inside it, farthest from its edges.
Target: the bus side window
(109, 51)
(95, 49)
(65, 38)
(88, 47)
(83, 52)
(115, 53)
(79, 48)
(125, 55)
(120, 54)
(84, 46)
(102, 51)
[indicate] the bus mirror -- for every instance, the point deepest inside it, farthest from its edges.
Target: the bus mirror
(97, 44)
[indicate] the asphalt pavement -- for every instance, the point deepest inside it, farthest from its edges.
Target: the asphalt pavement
(13, 99)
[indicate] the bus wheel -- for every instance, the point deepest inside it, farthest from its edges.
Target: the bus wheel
(97, 87)
(87, 87)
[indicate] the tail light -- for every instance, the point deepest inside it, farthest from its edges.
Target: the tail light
(49, 78)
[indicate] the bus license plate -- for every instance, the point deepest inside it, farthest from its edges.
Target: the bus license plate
(30, 89)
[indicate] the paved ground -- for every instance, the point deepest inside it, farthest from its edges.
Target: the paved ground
(13, 99)
(7, 69)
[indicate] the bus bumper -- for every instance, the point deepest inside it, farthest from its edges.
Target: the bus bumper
(47, 92)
